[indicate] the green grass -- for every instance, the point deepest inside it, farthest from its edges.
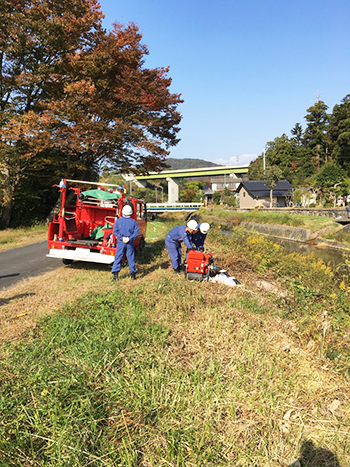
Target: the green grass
(12, 238)
(103, 384)
(99, 385)
(179, 373)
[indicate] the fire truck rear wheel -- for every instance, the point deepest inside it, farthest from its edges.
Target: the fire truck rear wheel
(142, 244)
(67, 261)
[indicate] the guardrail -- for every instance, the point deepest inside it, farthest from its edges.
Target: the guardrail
(176, 207)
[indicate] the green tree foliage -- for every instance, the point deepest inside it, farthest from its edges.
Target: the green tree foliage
(339, 129)
(74, 96)
(297, 133)
(228, 198)
(330, 175)
(289, 155)
(282, 152)
(217, 197)
(272, 175)
(325, 144)
(256, 169)
(192, 192)
(315, 135)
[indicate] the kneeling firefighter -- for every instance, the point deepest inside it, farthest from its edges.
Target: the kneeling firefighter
(199, 237)
(177, 235)
(126, 230)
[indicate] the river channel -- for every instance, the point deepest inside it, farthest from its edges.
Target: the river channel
(328, 255)
(331, 256)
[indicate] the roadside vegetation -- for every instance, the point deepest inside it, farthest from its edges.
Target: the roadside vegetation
(171, 372)
(13, 238)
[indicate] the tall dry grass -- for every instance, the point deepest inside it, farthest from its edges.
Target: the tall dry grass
(165, 371)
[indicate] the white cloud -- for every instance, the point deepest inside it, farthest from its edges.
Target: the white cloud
(243, 159)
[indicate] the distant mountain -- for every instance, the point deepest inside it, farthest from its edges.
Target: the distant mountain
(178, 164)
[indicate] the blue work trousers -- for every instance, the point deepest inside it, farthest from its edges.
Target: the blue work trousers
(174, 250)
(129, 250)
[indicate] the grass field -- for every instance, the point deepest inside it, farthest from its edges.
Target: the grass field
(13, 238)
(167, 372)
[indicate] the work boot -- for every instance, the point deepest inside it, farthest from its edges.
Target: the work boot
(178, 270)
(133, 276)
(115, 277)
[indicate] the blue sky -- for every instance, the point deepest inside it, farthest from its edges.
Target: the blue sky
(247, 70)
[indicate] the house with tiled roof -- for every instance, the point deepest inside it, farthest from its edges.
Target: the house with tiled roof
(254, 194)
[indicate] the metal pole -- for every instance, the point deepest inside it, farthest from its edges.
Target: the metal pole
(264, 165)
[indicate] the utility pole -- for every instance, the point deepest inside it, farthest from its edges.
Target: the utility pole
(264, 164)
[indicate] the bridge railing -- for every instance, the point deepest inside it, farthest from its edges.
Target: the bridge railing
(174, 206)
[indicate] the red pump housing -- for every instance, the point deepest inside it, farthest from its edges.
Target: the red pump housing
(198, 264)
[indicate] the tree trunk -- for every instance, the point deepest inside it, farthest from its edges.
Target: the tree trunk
(10, 185)
(271, 190)
(318, 157)
(6, 213)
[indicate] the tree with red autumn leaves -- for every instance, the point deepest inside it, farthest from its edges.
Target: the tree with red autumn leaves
(75, 97)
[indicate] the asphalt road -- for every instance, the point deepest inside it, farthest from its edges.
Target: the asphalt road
(23, 262)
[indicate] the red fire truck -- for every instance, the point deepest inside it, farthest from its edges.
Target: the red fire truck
(83, 230)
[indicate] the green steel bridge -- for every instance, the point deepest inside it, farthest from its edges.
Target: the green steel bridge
(231, 171)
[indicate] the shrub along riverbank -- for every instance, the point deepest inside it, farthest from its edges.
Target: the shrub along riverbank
(171, 372)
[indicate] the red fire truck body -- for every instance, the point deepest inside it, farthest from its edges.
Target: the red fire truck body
(84, 231)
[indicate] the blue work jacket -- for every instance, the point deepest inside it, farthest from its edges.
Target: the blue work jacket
(126, 227)
(180, 234)
(198, 239)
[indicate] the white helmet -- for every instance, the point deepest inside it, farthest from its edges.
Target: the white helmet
(204, 228)
(192, 224)
(127, 211)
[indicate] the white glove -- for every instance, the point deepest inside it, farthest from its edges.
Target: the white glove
(126, 239)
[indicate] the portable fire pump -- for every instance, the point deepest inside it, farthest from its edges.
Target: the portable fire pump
(200, 266)
(83, 229)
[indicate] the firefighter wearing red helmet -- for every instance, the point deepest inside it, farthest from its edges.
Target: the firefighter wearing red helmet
(126, 231)
(177, 235)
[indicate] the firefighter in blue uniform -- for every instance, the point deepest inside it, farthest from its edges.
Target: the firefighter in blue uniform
(181, 233)
(126, 231)
(199, 237)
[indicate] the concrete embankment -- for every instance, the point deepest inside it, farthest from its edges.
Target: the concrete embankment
(288, 233)
(333, 213)
(296, 234)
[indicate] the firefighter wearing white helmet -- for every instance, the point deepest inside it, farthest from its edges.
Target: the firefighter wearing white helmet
(126, 231)
(200, 236)
(174, 239)
(127, 211)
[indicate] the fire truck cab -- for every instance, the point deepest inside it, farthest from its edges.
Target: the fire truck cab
(83, 230)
